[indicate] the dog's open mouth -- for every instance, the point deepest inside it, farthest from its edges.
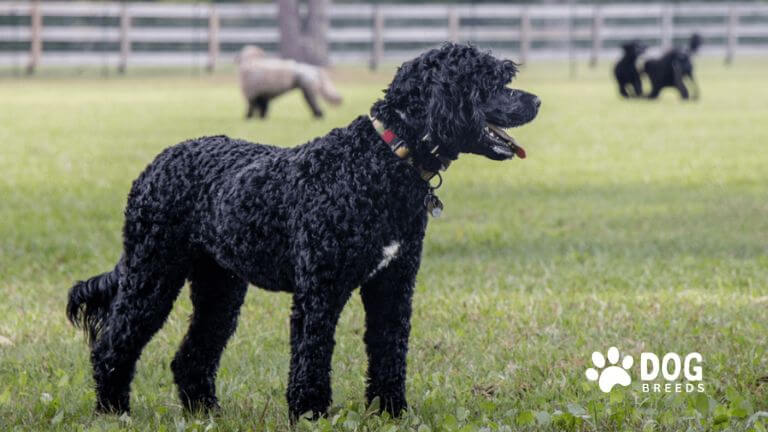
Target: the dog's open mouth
(502, 142)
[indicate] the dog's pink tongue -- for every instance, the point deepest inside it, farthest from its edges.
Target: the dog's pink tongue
(520, 152)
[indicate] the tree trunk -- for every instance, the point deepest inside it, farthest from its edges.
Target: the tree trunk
(310, 46)
(316, 47)
(290, 31)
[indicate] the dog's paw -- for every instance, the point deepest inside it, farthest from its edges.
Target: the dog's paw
(311, 404)
(613, 374)
(116, 407)
(207, 405)
(394, 405)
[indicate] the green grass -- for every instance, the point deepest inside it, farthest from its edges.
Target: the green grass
(635, 224)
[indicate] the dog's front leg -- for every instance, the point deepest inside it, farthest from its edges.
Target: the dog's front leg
(315, 312)
(679, 84)
(387, 301)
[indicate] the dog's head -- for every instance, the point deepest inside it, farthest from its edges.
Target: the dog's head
(456, 97)
(249, 52)
(634, 48)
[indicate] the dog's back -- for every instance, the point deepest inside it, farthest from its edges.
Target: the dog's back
(266, 76)
(656, 69)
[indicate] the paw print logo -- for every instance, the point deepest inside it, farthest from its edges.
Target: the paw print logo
(613, 374)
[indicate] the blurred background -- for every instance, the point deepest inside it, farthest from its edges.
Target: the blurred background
(204, 35)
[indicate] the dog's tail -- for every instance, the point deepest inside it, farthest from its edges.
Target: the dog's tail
(89, 303)
(327, 89)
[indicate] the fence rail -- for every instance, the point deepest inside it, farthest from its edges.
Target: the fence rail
(122, 34)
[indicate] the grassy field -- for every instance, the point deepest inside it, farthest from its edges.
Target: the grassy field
(641, 225)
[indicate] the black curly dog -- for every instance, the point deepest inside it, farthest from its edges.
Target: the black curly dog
(625, 71)
(318, 220)
(672, 69)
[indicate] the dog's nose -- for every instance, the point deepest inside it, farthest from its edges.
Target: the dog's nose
(537, 101)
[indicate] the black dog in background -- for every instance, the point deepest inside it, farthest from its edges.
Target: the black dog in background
(672, 69)
(627, 75)
(342, 211)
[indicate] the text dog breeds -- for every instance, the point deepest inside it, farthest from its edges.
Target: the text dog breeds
(670, 367)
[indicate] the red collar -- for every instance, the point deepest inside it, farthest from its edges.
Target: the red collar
(400, 148)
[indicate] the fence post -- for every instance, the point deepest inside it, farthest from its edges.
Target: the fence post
(125, 41)
(569, 40)
(377, 44)
(666, 27)
(35, 37)
(597, 39)
(453, 24)
(213, 39)
(733, 38)
(525, 35)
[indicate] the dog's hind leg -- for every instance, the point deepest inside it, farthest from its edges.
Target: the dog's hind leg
(143, 302)
(217, 295)
(637, 85)
(679, 84)
(311, 99)
(387, 301)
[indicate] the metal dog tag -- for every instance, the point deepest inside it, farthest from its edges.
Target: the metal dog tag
(433, 204)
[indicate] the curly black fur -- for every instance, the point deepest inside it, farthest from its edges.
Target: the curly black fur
(625, 71)
(317, 220)
(672, 69)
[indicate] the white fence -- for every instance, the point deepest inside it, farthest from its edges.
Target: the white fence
(204, 35)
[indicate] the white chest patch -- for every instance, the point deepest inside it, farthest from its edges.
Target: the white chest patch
(388, 253)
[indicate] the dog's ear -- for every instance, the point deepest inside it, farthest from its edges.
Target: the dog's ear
(404, 98)
(452, 117)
